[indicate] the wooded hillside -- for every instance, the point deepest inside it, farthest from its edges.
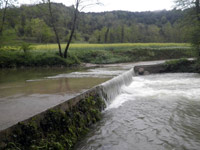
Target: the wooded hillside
(32, 24)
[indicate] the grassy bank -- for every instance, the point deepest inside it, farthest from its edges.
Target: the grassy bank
(182, 65)
(47, 55)
(13, 58)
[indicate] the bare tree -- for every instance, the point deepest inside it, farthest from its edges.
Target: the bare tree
(184, 4)
(52, 20)
(4, 15)
(197, 9)
(76, 11)
(4, 4)
(194, 5)
(79, 6)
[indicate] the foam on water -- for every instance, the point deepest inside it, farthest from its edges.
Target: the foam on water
(113, 87)
(156, 86)
(93, 73)
(155, 112)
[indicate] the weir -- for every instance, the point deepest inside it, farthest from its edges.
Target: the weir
(108, 91)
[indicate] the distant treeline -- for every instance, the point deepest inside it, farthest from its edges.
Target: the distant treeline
(32, 24)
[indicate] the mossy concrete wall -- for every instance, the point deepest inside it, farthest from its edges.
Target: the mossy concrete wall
(8, 135)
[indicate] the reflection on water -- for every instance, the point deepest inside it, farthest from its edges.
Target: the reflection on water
(53, 86)
(21, 75)
(26, 92)
(156, 112)
(22, 100)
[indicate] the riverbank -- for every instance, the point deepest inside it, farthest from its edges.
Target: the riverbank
(47, 55)
(39, 138)
(170, 66)
(10, 58)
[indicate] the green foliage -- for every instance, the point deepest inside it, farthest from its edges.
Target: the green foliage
(128, 54)
(38, 29)
(26, 134)
(192, 17)
(195, 39)
(180, 65)
(92, 53)
(8, 38)
(196, 66)
(14, 58)
(33, 25)
(25, 47)
(58, 130)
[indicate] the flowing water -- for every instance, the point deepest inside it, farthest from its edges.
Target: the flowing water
(26, 92)
(155, 112)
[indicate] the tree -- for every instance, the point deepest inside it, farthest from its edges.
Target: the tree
(52, 23)
(38, 28)
(195, 6)
(167, 31)
(79, 6)
(4, 4)
(3, 15)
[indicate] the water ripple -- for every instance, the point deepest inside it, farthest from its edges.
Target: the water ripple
(156, 112)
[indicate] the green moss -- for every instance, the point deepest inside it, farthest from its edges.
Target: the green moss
(58, 130)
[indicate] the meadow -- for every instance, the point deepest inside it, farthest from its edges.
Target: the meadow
(116, 46)
(47, 54)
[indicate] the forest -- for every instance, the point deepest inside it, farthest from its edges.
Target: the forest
(31, 23)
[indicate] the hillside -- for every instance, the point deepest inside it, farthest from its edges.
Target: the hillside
(31, 24)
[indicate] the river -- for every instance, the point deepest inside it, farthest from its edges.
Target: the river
(154, 112)
(27, 92)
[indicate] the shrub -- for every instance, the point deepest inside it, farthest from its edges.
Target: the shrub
(16, 58)
(25, 47)
(180, 65)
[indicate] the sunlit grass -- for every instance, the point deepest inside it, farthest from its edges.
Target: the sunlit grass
(47, 54)
(111, 46)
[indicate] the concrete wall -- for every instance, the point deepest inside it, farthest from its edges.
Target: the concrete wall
(139, 70)
(5, 134)
(149, 69)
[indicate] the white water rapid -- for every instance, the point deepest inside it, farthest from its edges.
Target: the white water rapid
(154, 112)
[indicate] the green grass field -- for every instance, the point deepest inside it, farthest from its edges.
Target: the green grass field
(47, 54)
(118, 46)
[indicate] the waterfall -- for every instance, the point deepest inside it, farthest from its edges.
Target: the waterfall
(112, 88)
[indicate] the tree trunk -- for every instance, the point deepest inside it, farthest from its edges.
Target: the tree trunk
(197, 10)
(3, 18)
(106, 35)
(73, 28)
(122, 34)
(54, 29)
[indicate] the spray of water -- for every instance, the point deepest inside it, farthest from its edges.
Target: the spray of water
(112, 88)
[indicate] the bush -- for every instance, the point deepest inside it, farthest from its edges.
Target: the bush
(16, 58)
(25, 47)
(180, 65)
